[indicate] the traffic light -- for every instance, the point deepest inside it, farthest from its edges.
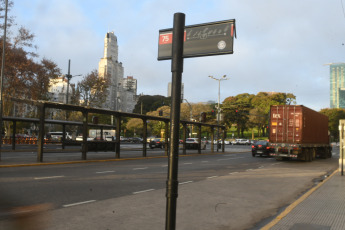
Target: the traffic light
(213, 112)
(203, 117)
(160, 113)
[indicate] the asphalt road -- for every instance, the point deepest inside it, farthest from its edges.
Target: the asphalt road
(64, 185)
(73, 185)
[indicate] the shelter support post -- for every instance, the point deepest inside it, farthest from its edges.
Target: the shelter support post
(41, 111)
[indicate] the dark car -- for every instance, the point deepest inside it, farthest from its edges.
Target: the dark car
(156, 143)
(261, 148)
(136, 140)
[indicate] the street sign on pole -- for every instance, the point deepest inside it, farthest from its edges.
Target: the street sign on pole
(192, 41)
(214, 38)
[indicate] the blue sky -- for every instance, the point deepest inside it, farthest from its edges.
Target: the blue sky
(281, 46)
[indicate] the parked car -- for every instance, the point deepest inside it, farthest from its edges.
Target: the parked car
(136, 140)
(156, 143)
(110, 138)
(192, 143)
(261, 148)
(241, 142)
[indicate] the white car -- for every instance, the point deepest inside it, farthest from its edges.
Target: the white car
(241, 142)
(191, 141)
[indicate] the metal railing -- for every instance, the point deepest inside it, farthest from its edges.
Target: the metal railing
(42, 106)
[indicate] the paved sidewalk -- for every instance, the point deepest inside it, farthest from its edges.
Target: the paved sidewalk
(321, 209)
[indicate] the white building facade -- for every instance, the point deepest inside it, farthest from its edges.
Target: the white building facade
(58, 90)
(121, 91)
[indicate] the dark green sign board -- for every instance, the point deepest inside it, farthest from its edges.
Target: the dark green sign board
(207, 39)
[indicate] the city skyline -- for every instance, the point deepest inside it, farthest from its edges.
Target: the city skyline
(281, 46)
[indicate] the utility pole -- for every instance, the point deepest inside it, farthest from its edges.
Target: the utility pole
(69, 77)
(2, 74)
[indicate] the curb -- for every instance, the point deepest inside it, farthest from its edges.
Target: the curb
(295, 203)
(106, 160)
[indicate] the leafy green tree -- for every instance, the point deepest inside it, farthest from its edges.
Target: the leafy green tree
(334, 115)
(236, 110)
(248, 111)
(24, 77)
(148, 103)
(92, 90)
(135, 125)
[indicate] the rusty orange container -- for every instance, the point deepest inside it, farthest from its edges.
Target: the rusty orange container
(297, 124)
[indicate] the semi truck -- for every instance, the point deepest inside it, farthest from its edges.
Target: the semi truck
(298, 132)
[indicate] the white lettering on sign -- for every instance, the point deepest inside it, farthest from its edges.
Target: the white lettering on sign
(165, 38)
(276, 115)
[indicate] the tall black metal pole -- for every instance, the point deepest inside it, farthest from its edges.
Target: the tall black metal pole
(2, 73)
(176, 69)
(69, 76)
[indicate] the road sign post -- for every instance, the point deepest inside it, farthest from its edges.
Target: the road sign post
(176, 69)
(176, 44)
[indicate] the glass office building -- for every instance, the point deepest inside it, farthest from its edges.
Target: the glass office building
(337, 85)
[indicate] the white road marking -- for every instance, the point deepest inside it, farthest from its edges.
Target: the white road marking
(233, 173)
(106, 172)
(210, 177)
(187, 163)
(148, 190)
(79, 203)
(48, 177)
(164, 166)
(204, 161)
(140, 168)
(230, 158)
(186, 182)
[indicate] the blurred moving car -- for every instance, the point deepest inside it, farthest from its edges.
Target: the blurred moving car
(261, 148)
(80, 138)
(242, 142)
(150, 139)
(156, 143)
(136, 140)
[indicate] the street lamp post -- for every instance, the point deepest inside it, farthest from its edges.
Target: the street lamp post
(69, 76)
(218, 107)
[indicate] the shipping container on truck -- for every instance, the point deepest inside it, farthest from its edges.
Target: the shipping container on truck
(297, 132)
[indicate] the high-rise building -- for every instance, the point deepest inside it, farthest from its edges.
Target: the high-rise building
(337, 85)
(182, 90)
(119, 97)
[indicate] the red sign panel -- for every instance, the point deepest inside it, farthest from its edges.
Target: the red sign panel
(167, 38)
